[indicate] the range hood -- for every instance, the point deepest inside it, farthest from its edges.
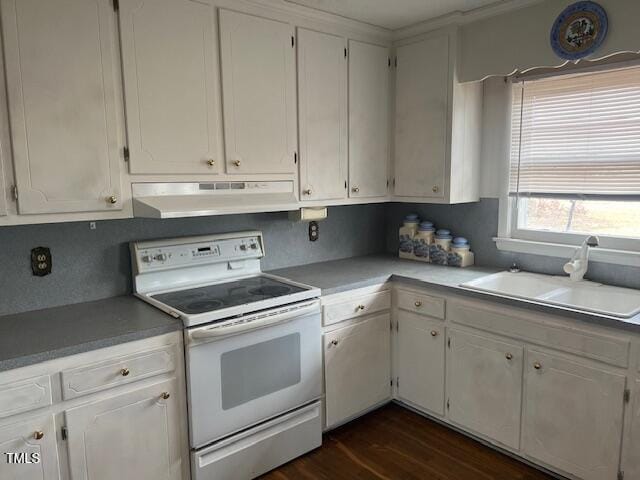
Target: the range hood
(194, 199)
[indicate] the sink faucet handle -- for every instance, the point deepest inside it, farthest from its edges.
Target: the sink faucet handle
(593, 241)
(514, 268)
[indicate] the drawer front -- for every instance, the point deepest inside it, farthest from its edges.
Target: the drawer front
(356, 307)
(117, 371)
(420, 303)
(607, 349)
(25, 395)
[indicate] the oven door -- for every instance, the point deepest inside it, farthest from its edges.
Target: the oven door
(242, 374)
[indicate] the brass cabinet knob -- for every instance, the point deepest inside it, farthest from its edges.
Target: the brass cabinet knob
(112, 199)
(355, 189)
(307, 191)
(435, 189)
(537, 365)
(38, 435)
(236, 163)
(211, 162)
(333, 342)
(125, 372)
(359, 307)
(418, 303)
(165, 395)
(434, 333)
(508, 356)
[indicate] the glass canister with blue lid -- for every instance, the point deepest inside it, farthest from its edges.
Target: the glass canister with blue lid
(406, 235)
(423, 240)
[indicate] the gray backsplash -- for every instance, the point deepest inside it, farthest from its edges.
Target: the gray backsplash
(479, 223)
(94, 264)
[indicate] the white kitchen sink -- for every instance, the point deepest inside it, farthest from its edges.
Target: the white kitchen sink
(584, 295)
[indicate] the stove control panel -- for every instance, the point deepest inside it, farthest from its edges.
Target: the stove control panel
(161, 255)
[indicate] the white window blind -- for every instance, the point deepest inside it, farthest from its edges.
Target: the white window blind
(577, 135)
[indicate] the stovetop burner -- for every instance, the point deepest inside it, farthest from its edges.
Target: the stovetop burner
(223, 295)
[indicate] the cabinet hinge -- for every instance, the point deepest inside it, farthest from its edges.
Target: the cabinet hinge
(295, 157)
(620, 475)
(397, 382)
(345, 184)
(116, 5)
(449, 342)
(389, 59)
(64, 433)
(397, 326)
(125, 153)
(627, 395)
(391, 382)
(448, 404)
(14, 191)
(395, 62)
(293, 41)
(345, 52)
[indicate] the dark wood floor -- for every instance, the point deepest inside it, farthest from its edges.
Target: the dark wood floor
(395, 443)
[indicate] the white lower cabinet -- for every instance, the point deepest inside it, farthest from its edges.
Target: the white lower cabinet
(357, 362)
(133, 435)
(484, 382)
(573, 416)
(420, 361)
(29, 450)
(632, 461)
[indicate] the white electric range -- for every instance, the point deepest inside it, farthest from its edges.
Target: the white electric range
(252, 348)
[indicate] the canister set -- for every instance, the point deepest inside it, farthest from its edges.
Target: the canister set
(421, 241)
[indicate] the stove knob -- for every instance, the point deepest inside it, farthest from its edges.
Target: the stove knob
(146, 258)
(161, 257)
(243, 247)
(254, 246)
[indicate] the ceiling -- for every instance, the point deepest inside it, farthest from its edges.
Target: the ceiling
(393, 14)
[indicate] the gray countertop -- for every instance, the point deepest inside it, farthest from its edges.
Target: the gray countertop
(40, 335)
(341, 275)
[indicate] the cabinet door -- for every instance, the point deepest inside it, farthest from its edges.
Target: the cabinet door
(61, 64)
(322, 113)
(259, 96)
(368, 119)
(484, 382)
(421, 361)
(422, 92)
(29, 450)
(169, 53)
(573, 416)
(132, 435)
(632, 463)
(357, 368)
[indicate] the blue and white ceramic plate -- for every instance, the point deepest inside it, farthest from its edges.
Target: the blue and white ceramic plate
(579, 30)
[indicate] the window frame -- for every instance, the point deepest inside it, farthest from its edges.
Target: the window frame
(612, 249)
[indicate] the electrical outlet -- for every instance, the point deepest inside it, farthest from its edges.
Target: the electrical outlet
(41, 261)
(314, 232)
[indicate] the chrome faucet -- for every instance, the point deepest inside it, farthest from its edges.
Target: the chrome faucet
(577, 266)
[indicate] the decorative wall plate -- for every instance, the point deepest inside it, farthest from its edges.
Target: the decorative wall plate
(579, 30)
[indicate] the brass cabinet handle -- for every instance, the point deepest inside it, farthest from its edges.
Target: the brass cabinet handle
(112, 199)
(236, 163)
(435, 189)
(307, 191)
(211, 162)
(418, 303)
(125, 372)
(165, 395)
(38, 435)
(508, 356)
(537, 365)
(355, 189)
(434, 333)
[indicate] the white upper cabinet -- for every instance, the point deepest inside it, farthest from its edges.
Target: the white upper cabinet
(171, 86)
(437, 124)
(322, 113)
(573, 416)
(368, 119)
(259, 94)
(62, 73)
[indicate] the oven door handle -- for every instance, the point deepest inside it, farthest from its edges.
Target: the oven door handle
(248, 325)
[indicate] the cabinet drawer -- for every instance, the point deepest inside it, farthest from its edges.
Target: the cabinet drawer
(420, 303)
(25, 395)
(356, 307)
(117, 371)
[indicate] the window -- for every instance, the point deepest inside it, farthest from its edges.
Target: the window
(575, 159)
